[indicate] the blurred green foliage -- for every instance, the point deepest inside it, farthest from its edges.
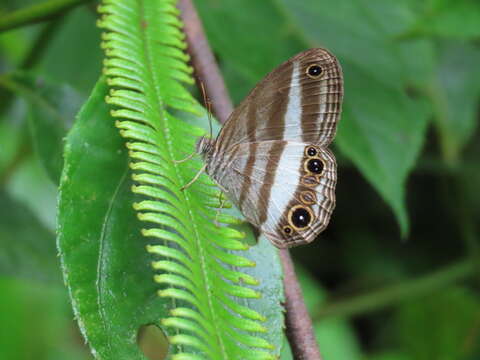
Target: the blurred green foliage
(407, 146)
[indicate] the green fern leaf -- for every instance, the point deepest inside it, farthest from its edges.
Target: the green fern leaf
(200, 264)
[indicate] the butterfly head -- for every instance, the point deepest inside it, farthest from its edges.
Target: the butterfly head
(204, 146)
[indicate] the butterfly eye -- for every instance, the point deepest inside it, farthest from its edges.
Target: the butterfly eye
(315, 166)
(300, 217)
(314, 71)
(287, 230)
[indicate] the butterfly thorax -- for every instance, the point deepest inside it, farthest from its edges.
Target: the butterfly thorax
(205, 148)
(214, 164)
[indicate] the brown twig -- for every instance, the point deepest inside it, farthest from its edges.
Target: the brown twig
(203, 61)
(299, 326)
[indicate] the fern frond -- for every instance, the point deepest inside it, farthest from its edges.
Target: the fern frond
(199, 265)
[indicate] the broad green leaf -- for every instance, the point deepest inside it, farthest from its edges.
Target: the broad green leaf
(382, 128)
(104, 261)
(27, 248)
(334, 24)
(455, 93)
(363, 33)
(382, 132)
(440, 326)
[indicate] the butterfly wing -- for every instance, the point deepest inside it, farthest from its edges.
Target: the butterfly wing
(271, 155)
(285, 189)
(300, 101)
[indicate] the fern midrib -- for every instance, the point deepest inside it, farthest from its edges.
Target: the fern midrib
(169, 142)
(157, 97)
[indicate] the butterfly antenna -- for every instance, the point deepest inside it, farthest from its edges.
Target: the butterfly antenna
(208, 105)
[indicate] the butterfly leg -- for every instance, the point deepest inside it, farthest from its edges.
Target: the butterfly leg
(222, 202)
(185, 159)
(195, 178)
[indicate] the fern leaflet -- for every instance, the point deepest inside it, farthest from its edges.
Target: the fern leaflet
(198, 262)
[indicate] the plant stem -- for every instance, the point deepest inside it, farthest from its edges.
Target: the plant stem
(204, 62)
(37, 13)
(400, 292)
(299, 326)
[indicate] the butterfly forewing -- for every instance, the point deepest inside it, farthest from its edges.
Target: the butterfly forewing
(289, 104)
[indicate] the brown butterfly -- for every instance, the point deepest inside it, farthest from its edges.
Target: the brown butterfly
(271, 156)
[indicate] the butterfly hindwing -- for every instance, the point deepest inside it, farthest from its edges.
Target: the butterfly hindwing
(285, 189)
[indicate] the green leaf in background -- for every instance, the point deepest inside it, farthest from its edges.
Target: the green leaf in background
(74, 56)
(360, 32)
(382, 129)
(52, 109)
(13, 136)
(382, 132)
(455, 92)
(37, 323)
(446, 323)
(30, 186)
(51, 116)
(451, 19)
(28, 248)
(391, 355)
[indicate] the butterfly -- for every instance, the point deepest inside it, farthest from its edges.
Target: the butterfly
(271, 157)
